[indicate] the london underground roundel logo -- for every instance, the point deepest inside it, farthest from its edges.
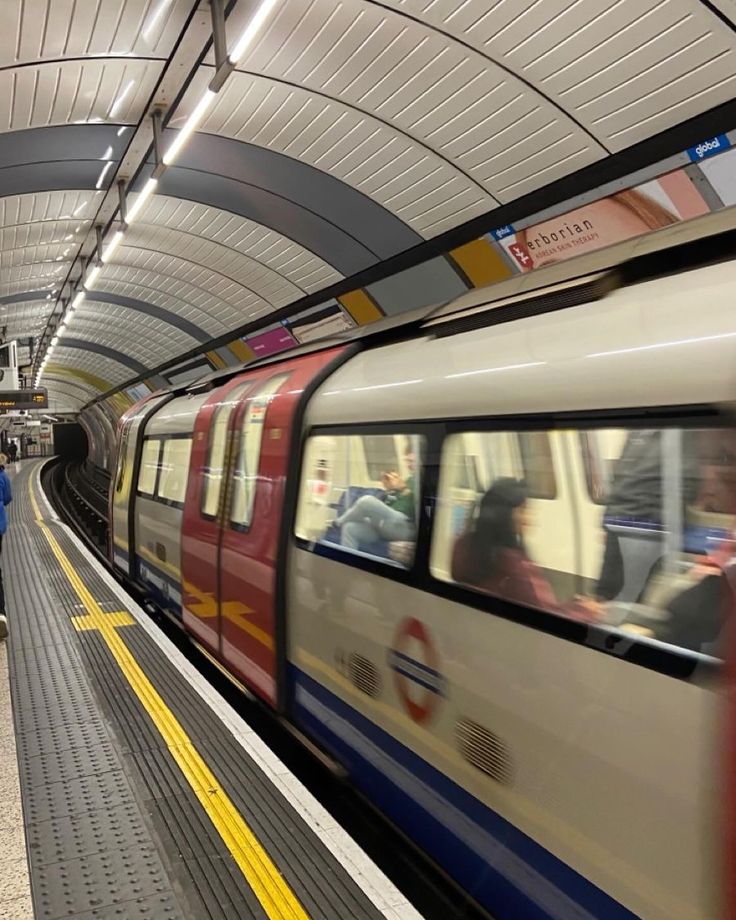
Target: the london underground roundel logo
(416, 667)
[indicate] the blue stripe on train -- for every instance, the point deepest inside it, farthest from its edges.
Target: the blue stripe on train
(495, 862)
(164, 590)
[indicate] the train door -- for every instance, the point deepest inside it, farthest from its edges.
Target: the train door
(122, 494)
(245, 536)
(202, 526)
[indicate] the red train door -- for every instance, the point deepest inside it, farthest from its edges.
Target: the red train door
(229, 560)
(202, 524)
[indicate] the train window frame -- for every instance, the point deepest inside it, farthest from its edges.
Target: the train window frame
(122, 457)
(540, 494)
(165, 442)
(668, 659)
(639, 651)
(231, 402)
(138, 490)
(424, 469)
(241, 434)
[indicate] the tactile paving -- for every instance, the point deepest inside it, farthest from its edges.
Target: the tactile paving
(114, 829)
(66, 888)
(87, 833)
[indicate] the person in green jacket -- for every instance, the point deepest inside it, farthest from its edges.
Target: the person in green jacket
(392, 517)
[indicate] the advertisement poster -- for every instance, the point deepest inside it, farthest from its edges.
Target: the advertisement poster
(626, 214)
(323, 321)
(721, 173)
(271, 342)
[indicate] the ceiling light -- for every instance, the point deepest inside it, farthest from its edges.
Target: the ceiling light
(55, 341)
(77, 229)
(79, 208)
(107, 155)
(190, 126)
(122, 130)
(102, 175)
(92, 276)
(154, 18)
(251, 30)
(61, 329)
(116, 106)
(112, 246)
(77, 300)
(69, 237)
(143, 196)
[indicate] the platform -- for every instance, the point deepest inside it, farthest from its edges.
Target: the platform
(144, 794)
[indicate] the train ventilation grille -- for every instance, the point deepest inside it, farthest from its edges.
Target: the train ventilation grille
(484, 750)
(364, 675)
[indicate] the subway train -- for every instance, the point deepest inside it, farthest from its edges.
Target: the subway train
(481, 557)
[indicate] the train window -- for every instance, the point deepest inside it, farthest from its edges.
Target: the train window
(599, 450)
(345, 502)
(123, 457)
(380, 454)
(245, 473)
(653, 554)
(216, 454)
(536, 462)
(172, 486)
(149, 466)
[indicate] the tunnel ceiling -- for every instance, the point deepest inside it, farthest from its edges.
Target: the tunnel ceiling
(350, 131)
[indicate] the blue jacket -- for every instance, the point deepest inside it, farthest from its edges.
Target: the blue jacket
(6, 497)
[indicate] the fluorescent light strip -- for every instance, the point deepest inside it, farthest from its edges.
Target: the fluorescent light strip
(154, 18)
(112, 246)
(190, 126)
(77, 300)
(60, 329)
(145, 193)
(251, 30)
(92, 276)
(121, 99)
(102, 175)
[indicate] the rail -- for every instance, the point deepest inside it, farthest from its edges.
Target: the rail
(81, 496)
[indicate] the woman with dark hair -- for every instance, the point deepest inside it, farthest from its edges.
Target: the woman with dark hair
(491, 555)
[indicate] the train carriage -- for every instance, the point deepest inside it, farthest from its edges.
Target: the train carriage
(544, 719)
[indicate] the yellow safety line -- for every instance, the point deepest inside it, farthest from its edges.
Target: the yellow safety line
(271, 889)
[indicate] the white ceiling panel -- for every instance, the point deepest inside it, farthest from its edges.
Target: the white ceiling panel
(451, 98)
(290, 260)
(262, 280)
(76, 92)
(156, 295)
(79, 206)
(208, 310)
(24, 319)
(43, 233)
(92, 363)
(149, 340)
(24, 277)
(239, 303)
(404, 175)
(35, 30)
(623, 69)
(33, 255)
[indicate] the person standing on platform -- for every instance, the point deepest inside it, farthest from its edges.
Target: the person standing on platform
(12, 451)
(6, 497)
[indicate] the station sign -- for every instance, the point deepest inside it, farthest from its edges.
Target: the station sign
(708, 148)
(23, 399)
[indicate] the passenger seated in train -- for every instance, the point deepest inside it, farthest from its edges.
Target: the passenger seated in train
(635, 501)
(690, 594)
(490, 556)
(390, 517)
